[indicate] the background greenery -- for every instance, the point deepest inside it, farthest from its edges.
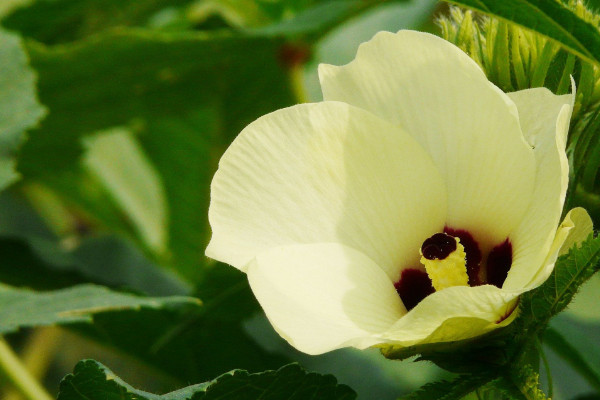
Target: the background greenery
(113, 116)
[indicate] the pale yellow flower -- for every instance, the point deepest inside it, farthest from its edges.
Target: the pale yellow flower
(327, 207)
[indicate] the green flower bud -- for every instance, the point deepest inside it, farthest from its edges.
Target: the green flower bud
(515, 58)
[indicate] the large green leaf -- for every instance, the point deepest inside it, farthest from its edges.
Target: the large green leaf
(52, 21)
(141, 77)
(93, 381)
(23, 308)
(34, 257)
(184, 95)
(187, 344)
(116, 159)
(551, 18)
(318, 19)
(573, 356)
(198, 345)
(19, 108)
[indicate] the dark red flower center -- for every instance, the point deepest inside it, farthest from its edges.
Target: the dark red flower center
(472, 251)
(498, 263)
(414, 283)
(438, 247)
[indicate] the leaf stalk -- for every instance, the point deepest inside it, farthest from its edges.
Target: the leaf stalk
(13, 370)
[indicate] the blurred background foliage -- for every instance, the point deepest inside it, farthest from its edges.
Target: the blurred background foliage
(136, 102)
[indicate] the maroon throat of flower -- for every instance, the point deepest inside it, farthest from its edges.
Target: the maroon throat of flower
(415, 284)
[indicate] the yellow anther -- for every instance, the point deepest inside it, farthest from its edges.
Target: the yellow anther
(451, 271)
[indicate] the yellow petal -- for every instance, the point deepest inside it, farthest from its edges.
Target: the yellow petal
(325, 172)
(455, 313)
(443, 99)
(321, 297)
(582, 229)
(545, 121)
(576, 227)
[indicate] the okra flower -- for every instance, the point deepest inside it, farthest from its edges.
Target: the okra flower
(413, 205)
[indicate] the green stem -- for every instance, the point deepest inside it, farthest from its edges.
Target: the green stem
(546, 366)
(37, 354)
(16, 374)
(297, 81)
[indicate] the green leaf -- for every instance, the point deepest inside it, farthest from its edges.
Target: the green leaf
(19, 108)
(570, 354)
(112, 261)
(548, 17)
(62, 21)
(188, 345)
(34, 257)
(139, 191)
(450, 390)
(584, 306)
(23, 308)
(185, 96)
(52, 21)
(319, 18)
(93, 381)
(583, 337)
(194, 346)
(570, 272)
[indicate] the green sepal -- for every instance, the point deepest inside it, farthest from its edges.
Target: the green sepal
(488, 352)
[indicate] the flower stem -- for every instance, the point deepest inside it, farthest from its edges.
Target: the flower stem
(17, 375)
(297, 80)
(37, 354)
(546, 366)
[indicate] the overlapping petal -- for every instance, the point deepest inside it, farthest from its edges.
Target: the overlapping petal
(324, 296)
(325, 172)
(576, 227)
(455, 313)
(544, 120)
(583, 227)
(443, 99)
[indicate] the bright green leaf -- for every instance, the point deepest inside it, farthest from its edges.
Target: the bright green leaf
(318, 19)
(23, 308)
(194, 346)
(19, 108)
(93, 381)
(184, 95)
(116, 157)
